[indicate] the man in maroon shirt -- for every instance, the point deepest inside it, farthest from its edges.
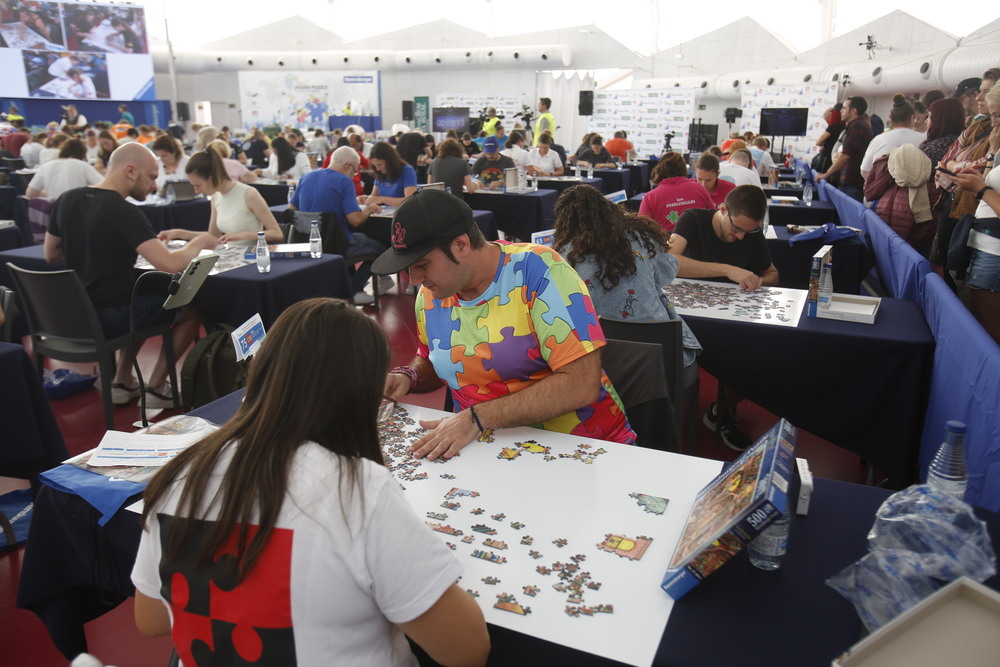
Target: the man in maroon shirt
(12, 142)
(857, 136)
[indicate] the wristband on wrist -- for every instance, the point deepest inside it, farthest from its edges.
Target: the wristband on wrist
(409, 372)
(979, 195)
(475, 418)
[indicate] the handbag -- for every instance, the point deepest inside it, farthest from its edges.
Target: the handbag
(959, 252)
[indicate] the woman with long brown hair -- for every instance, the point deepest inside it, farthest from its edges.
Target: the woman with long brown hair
(285, 528)
(622, 257)
(395, 180)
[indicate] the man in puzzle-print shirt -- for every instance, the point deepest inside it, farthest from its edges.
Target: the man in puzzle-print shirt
(509, 327)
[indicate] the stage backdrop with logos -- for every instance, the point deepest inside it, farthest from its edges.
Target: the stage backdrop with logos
(817, 97)
(75, 51)
(647, 115)
(506, 105)
(307, 99)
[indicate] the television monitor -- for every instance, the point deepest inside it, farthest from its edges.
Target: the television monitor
(450, 118)
(784, 122)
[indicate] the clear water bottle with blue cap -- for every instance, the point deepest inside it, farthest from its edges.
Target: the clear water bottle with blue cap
(315, 240)
(768, 549)
(948, 472)
(263, 254)
(590, 170)
(807, 194)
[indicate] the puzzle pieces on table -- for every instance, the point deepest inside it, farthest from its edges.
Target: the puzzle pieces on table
(651, 504)
(509, 603)
(627, 547)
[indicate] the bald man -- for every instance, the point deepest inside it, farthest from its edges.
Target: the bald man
(95, 232)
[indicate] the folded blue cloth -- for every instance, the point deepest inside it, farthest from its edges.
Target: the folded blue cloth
(829, 232)
(105, 494)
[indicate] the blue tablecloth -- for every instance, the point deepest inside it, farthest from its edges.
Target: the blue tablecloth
(635, 201)
(615, 180)
(378, 227)
(371, 124)
(518, 214)
(817, 213)
(863, 387)
(273, 193)
(193, 215)
(638, 178)
(8, 193)
(31, 441)
(561, 183)
(851, 262)
(784, 191)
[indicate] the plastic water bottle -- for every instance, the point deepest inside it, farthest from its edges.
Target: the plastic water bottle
(947, 471)
(590, 170)
(826, 286)
(807, 194)
(315, 241)
(263, 254)
(798, 177)
(291, 191)
(767, 222)
(767, 550)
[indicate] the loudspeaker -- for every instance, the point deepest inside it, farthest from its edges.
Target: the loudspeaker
(407, 109)
(183, 112)
(732, 113)
(586, 106)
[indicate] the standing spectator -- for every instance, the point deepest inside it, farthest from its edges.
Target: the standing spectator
(673, 192)
(857, 136)
(126, 115)
(945, 121)
(901, 182)
(900, 132)
(546, 121)
(829, 139)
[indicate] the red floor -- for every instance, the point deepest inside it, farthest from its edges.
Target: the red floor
(113, 637)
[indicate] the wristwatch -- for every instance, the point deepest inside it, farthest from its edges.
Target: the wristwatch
(982, 191)
(989, 157)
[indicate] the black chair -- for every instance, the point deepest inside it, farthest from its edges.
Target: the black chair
(63, 325)
(8, 304)
(669, 336)
(637, 372)
(13, 163)
(298, 224)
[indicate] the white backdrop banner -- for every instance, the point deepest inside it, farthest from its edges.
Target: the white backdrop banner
(307, 99)
(817, 97)
(647, 114)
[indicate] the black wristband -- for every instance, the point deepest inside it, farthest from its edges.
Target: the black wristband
(475, 418)
(979, 195)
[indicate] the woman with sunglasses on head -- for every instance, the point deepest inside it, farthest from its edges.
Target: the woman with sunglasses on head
(238, 210)
(284, 531)
(395, 180)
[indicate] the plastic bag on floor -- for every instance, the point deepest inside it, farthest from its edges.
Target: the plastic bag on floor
(922, 539)
(64, 382)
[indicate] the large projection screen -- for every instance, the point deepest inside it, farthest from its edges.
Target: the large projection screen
(74, 51)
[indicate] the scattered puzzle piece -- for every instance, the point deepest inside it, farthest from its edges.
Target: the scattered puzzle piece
(494, 544)
(451, 546)
(471, 592)
(531, 591)
(534, 554)
(483, 528)
(477, 511)
(509, 603)
(469, 539)
(447, 530)
(451, 505)
(651, 504)
(440, 516)
(490, 581)
(626, 547)
(528, 540)
(561, 542)
(447, 476)
(458, 493)
(516, 525)
(488, 556)
(541, 569)
(498, 517)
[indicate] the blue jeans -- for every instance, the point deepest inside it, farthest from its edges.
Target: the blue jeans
(853, 191)
(358, 246)
(984, 271)
(148, 312)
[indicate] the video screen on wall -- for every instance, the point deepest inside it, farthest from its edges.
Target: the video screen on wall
(73, 50)
(450, 118)
(784, 122)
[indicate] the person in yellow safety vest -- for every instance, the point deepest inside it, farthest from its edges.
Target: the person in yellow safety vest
(490, 124)
(546, 121)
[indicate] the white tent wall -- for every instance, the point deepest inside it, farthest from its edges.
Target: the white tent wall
(563, 88)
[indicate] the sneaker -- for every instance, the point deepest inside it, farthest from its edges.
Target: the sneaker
(122, 393)
(363, 299)
(710, 420)
(732, 436)
(159, 398)
(385, 283)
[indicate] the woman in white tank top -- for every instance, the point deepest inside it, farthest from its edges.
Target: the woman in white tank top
(238, 211)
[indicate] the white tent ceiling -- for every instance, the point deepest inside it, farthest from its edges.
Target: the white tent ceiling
(645, 26)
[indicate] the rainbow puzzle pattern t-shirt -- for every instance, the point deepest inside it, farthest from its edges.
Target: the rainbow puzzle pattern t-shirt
(534, 318)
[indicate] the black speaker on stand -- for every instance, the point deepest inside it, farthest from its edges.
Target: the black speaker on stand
(586, 105)
(183, 112)
(407, 109)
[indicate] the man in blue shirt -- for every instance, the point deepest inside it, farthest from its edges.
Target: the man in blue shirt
(332, 190)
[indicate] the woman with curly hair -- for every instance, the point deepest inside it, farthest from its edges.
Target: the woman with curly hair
(395, 180)
(623, 258)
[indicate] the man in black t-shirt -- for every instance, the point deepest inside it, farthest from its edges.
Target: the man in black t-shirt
(489, 169)
(726, 243)
(95, 232)
(596, 155)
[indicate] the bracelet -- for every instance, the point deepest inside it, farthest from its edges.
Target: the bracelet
(409, 372)
(979, 195)
(475, 418)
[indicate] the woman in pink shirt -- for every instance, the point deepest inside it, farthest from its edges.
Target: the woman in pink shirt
(674, 192)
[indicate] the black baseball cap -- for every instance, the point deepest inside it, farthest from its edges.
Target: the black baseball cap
(424, 220)
(968, 86)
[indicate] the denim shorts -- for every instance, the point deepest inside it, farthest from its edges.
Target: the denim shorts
(148, 312)
(984, 271)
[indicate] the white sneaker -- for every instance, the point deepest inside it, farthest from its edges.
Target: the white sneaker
(385, 283)
(363, 299)
(160, 397)
(122, 394)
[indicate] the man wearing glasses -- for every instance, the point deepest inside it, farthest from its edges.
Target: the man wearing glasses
(331, 189)
(726, 244)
